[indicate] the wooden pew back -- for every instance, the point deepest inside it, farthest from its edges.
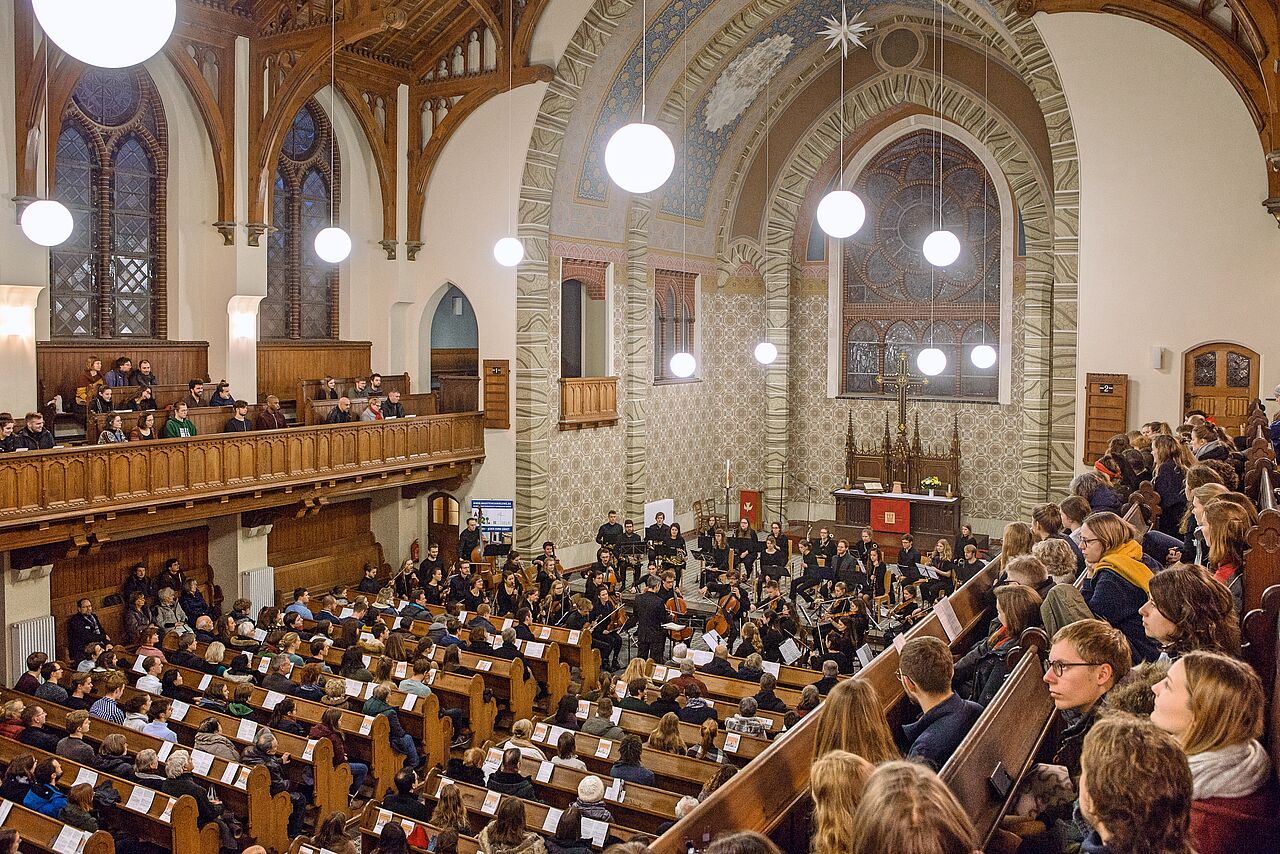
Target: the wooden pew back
(59, 364)
(310, 390)
(316, 411)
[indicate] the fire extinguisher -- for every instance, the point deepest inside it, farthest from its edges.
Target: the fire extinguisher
(414, 550)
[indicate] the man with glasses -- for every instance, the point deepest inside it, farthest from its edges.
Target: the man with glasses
(1087, 658)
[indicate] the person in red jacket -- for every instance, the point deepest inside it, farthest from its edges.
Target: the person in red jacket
(1214, 705)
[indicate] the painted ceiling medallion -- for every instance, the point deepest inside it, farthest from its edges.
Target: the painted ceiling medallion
(845, 33)
(744, 78)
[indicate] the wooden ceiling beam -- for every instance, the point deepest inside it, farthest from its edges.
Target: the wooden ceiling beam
(447, 41)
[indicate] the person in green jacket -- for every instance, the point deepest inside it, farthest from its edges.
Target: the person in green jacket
(178, 426)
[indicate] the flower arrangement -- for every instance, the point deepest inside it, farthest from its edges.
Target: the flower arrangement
(931, 482)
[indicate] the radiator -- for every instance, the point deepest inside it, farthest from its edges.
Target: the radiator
(259, 587)
(28, 636)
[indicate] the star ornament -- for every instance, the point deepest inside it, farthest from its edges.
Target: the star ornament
(845, 33)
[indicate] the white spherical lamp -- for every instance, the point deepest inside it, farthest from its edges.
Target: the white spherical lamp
(931, 361)
(841, 213)
(983, 356)
(639, 157)
(765, 353)
(333, 244)
(108, 33)
(508, 251)
(941, 248)
(683, 365)
(46, 222)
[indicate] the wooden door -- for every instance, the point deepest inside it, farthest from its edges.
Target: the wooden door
(1221, 379)
(442, 526)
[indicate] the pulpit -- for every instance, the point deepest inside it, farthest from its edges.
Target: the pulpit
(889, 515)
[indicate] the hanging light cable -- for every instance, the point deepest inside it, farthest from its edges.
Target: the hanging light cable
(332, 244)
(509, 251)
(841, 213)
(47, 221)
(984, 355)
(639, 156)
(765, 352)
(931, 361)
(684, 363)
(941, 248)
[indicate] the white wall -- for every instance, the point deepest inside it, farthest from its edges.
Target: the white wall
(1175, 247)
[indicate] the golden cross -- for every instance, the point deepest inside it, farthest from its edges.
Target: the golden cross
(905, 383)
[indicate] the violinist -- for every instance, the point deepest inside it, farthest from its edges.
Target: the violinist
(773, 561)
(773, 634)
(476, 595)
(579, 616)
(673, 554)
(650, 614)
(629, 561)
(510, 593)
(548, 566)
(607, 618)
(406, 579)
(610, 533)
(557, 604)
(751, 642)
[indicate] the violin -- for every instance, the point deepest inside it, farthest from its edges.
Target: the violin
(677, 608)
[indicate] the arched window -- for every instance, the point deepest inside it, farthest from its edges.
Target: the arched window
(674, 319)
(108, 279)
(302, 290)
(893, 299)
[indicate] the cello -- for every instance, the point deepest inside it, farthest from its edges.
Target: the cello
(676, 608)
(728, 610)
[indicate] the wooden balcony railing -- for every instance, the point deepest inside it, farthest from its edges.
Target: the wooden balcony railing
(588, 402)
(68, 488)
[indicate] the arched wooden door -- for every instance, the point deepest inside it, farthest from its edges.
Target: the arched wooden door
(442, 525)
(1221, 379)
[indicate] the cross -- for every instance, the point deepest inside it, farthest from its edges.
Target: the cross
(905, 383)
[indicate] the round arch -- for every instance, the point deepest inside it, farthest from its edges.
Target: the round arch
(448, 335)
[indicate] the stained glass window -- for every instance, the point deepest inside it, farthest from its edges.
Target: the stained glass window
(1206, 369)
(893, 299)
(302, 290)
(1238, 370)
(107, 279)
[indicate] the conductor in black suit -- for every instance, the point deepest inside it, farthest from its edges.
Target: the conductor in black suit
(650, 613)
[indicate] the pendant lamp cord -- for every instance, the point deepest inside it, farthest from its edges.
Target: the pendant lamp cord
(986, 130)
(511, 14)
(333, 56)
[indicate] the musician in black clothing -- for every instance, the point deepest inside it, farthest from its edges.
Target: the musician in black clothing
(716, 558)
(431, 562)
(966, 538)
(746, 559)
(909, 560)
(713, 525)
(812, 576)
(843, 565)
(863, 546)
(509, 595)
(657, 533)
(667, 590)
(524, 625)
(673, 554)
(773, 562)
(604, 613)
(469, 538)
(825, 547)
(459, 583)
(610, 532)
(635, 561)
(780, 537)
(650, 614)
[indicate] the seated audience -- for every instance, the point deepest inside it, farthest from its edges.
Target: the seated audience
(450, 813)
(50, 689)
(78, 812)
(1189, 609)
(508, 780)
(158, 726)
(17, 778)
(766, 698)
(506, 834)
(1226, 530)
(467, 769)
(1116, 582)
(44, 796)
(706, 747)
(84, 628)
(113, 433)
(1135, 790)
(568, 838)
(746, 721)
(178, 425)
(981, 672)
(112, 758)
(33, 733)
(666, 735)
(628, 767)
(906, 809)
(1215, 707)
(634, 701)
(590, 800)
(33, 436)
(403, 800)
(522, 740)
(836, 781)
(29, 681)
(696, 709)
(269, 416)
(210, 739)
(136, 708)
(601, 721)
(566, 745)
(925, 670)
(331, 835)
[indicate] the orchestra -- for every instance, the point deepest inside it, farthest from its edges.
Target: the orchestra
(632, 597)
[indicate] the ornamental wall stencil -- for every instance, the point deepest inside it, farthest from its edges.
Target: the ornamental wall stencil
(743, 80)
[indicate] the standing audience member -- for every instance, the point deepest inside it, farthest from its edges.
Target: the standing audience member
(1135, 790)
(1214, 706)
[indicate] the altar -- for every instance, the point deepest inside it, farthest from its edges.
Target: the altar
(896, 463)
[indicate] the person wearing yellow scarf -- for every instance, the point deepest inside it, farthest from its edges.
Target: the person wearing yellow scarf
(1126, 562)
(1117, 581)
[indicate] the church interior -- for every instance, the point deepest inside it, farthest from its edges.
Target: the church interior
(549, 426)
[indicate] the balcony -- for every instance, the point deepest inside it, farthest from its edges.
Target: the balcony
(588, 402)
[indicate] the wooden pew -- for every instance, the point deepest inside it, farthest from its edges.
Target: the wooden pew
(763, 795)
(642, 808)
(179, 832)
(1262, 560)
(573, 647)
(473, 798)
(724, 707)
(313, 756)
(317, 565)
(637, 723)
(371, 820)
(680, 774)
(281, 363)
(723, 687)
(38, 832)
(59, 364)
(316, 411)
(1007, 736)
(311, 389)
(208, 420)
(371, 747)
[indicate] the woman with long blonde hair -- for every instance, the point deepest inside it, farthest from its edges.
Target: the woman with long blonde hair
(666, 735)
(1226, 532)
(836, 781)
(450, 812)
(907, 809)
(751, 640)
(852, 719)
(1016, 541)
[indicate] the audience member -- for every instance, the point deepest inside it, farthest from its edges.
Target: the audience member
(925, 670)
(506, 834)
(836, 781)
(906, 809)
(1116, 583)
(508, 780)
(1189, 609)
(853, 720)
